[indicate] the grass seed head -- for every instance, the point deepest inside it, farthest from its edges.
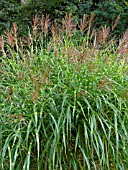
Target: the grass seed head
(15, 29)
(123, 45)
(46, 25)
(83, 23)
(115, 23)
(35, 20)
(10, 38)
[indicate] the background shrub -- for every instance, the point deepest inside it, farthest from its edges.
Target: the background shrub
(23, 13)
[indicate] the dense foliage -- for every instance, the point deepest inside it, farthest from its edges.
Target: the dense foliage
(23, 13)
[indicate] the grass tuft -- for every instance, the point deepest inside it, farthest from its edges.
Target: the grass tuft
(64, 97)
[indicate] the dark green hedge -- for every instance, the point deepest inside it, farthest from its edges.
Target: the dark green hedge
(106, 12)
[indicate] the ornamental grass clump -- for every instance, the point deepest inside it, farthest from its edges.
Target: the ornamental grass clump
(64, 97)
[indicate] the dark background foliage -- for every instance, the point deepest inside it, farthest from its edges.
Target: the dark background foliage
(106, 11)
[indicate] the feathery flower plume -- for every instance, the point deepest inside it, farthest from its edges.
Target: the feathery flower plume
(35, 20)
(83, 23)
(15, 29)
(115, 23)
(10, 38)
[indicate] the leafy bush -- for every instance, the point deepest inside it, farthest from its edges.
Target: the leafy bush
(8, 14)
(107, 12)
(23, 14)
